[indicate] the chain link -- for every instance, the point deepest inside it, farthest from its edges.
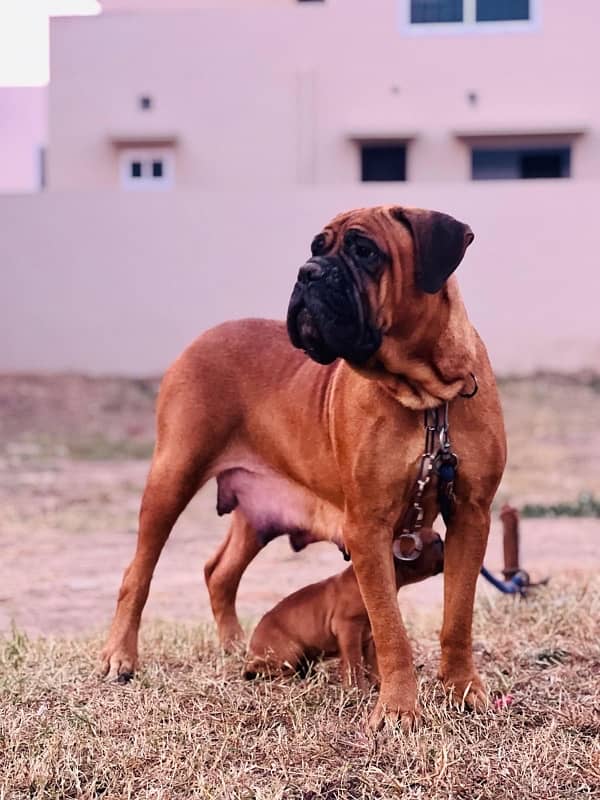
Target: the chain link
(436, 427)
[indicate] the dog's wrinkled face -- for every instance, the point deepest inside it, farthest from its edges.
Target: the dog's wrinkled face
(329, 314)
(348, 291)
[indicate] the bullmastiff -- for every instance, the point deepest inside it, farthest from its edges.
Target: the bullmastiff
(317, 431)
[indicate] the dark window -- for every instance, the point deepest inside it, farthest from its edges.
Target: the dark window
(510, 163)
(494, 10)
(136, 169)
(550, 164)
(157, 169)
(383, 162)
(436, 11)
(145, 102)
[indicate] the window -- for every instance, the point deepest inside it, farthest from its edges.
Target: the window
(469, 12)
(147, 168)
(510, 163)
(436, 11)
(383, 162)
(501, 10)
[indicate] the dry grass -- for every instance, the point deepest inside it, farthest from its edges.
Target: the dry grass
(190, 727)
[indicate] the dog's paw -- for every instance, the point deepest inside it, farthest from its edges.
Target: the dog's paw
(467, 692)
(396, 711)
(382, 718)
(231, 637)
(117, 664)
(255, 667)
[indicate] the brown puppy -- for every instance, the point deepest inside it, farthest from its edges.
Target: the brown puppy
(331, 449)
(329, 619)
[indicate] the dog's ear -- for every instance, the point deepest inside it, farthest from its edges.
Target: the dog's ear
(440, 242)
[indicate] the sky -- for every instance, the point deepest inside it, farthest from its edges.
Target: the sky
(24, 37)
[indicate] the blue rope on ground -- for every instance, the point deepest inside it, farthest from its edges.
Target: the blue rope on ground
(516, 585)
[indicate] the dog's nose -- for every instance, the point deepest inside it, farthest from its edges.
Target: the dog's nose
(311, 271)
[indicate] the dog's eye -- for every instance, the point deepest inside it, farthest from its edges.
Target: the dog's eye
(365, 251)
(318, 245)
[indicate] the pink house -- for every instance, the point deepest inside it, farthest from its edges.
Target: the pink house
(195, 147)
(22, 138)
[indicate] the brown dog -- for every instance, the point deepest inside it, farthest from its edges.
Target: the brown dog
(328, 619)
(333, 450)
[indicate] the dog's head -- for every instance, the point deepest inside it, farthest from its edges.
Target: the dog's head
(429, 562)
(370, 273)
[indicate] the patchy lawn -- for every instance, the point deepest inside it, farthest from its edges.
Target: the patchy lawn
(190, 727)
(73, 456)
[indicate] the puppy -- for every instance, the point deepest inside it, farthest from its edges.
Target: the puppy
(329, 619)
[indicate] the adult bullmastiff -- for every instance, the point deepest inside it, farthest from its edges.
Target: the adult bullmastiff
(322, 437)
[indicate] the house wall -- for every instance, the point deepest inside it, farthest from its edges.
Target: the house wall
(120, 282)
(22, 136)
(277, 96)
(264, 106)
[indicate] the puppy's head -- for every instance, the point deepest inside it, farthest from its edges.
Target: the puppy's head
(430, 561)
(369, 272)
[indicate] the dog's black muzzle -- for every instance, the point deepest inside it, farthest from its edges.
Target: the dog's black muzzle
(328, 316)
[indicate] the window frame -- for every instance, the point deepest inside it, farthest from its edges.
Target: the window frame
(519, 149)
(147, 155)
(381, 144)
(469, 25)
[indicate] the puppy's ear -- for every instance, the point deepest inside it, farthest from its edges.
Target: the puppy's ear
(440, 242)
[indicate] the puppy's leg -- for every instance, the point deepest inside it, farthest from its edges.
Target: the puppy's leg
(370, 660)
(170, 486)
(223, 572)
(370, 547)
(349, 637)
(465, 545)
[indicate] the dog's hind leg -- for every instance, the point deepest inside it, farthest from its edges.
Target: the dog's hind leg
(223, 572)
(171, 484)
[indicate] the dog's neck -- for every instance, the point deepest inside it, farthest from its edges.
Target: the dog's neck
(427, 359)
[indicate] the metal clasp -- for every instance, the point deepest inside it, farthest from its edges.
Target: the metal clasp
(417, 546)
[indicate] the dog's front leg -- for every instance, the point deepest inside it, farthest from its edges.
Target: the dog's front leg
(371, 551)
(465, 545)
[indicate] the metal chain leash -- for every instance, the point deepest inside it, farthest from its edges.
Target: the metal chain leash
(441, 461)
